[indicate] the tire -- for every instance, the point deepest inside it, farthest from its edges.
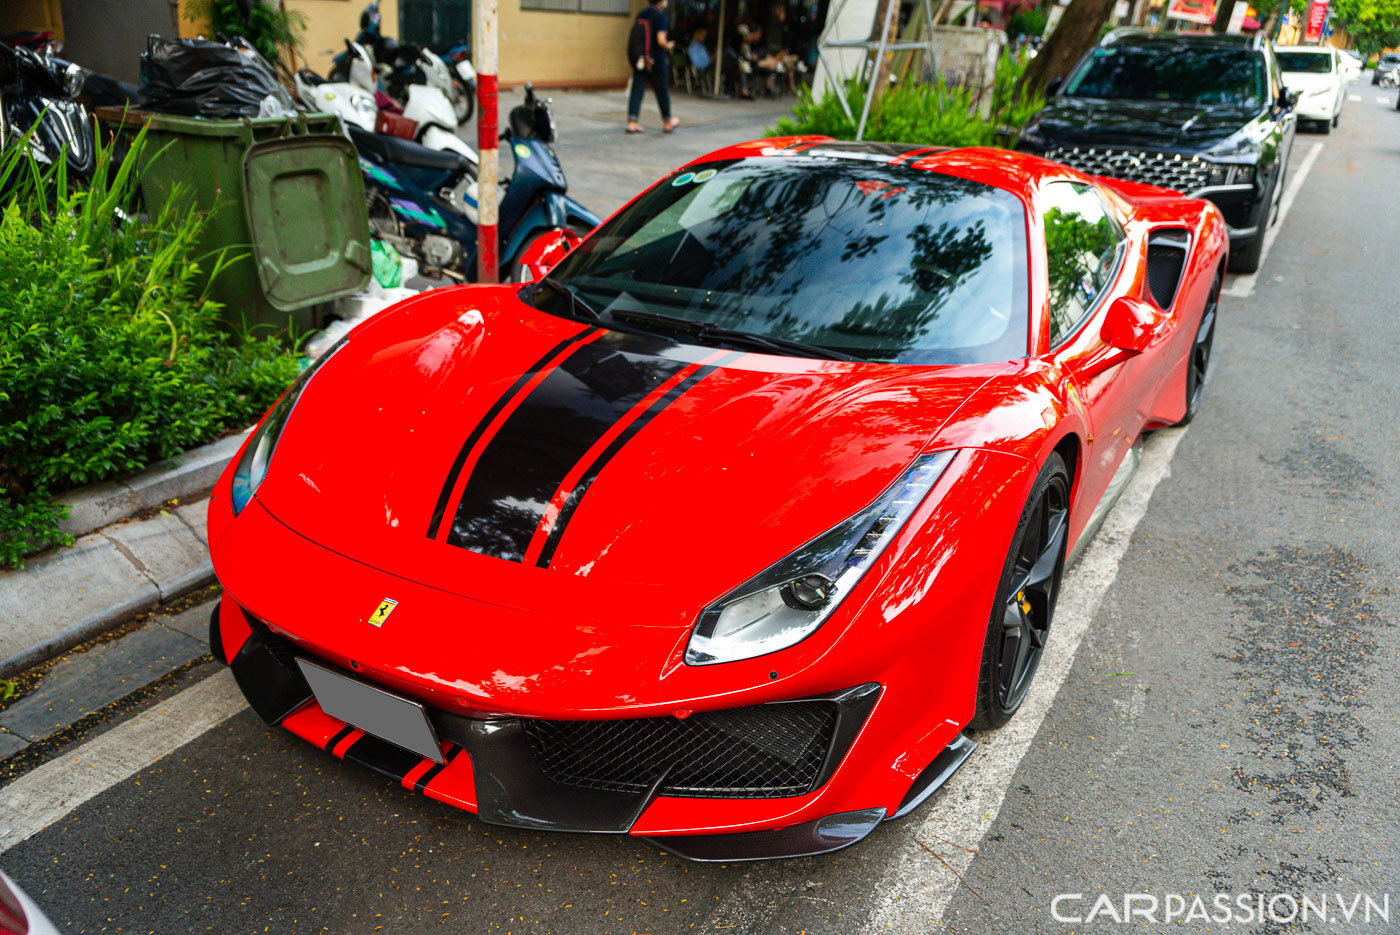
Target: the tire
(1248, 259)
(1025, 599)
(1198, 360)
(1336, 118)
(463, 104)
(216, 644)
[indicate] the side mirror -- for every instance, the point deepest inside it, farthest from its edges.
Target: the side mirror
(1288, 99)
(545, 252)
(1131, 325)
(1053, 86)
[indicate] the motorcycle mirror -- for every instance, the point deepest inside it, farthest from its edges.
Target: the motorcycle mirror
(73, 79)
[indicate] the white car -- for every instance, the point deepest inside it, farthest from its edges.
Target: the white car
(1314, 73)
(1352, 65)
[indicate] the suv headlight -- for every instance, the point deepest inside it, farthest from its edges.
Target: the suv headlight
(257, 454)
(786, 603)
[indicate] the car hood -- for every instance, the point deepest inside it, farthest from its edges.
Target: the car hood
(696, 467)
(1303, 82)
(1069, 121)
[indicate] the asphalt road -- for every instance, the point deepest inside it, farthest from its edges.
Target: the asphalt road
(1220, 716)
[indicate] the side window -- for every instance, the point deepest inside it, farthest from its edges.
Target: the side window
(1081, 248)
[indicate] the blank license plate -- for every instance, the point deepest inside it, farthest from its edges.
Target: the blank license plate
(385, 715)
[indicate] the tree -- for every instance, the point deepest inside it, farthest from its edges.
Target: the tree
(1374, 24)
(1078, 32)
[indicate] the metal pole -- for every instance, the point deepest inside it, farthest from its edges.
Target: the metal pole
(487, 140)
(879, 58)
(719, 48)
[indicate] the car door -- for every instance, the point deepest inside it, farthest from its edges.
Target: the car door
(1277, 144)
(1085, 252)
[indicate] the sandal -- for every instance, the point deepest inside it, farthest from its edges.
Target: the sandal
(670, 125)
(635, 128)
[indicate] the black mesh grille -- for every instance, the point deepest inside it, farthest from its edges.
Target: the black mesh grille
(764, 751)
(1166, 256)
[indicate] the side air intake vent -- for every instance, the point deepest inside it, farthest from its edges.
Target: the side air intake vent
(1166, 258)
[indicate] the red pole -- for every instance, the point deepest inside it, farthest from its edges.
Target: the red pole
(487, 139)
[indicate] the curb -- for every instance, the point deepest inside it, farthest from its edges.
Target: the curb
(194, 472)
(117, 568)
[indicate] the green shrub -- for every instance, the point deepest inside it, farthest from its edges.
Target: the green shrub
(1026, 23)
(110, 358)
(934, 114)
(268, 27)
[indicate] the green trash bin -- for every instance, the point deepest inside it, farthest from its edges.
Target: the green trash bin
(284, 192)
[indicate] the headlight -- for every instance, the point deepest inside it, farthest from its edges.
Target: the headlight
(787, 603)
(252, 467)
(364, 103)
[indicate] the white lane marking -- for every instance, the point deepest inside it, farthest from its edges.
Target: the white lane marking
(47, 793)
(916, 888)
(1243, 286)
(1382, 100)
(1353, 97)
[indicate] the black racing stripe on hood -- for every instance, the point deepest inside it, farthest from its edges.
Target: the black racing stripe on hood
(566, 512)
(550, 431)
(486, 420)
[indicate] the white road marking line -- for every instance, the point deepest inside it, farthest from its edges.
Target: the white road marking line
(1243, 286)
(1353, 97)
(1383, 100)
(47, 793)
(917, 887)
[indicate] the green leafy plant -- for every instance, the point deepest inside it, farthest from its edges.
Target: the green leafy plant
(268, 26)
(1026, 23)
(933, 113)
(110, 357)
(1374, 25)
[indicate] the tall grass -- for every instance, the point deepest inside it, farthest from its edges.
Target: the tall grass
(935, 113)
(110, 355)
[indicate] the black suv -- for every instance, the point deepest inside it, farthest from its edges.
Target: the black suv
(1205, 115)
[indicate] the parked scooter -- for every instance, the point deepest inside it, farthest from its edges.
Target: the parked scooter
(435, 123)
(402, 66)
(421, 205)
(39, 93)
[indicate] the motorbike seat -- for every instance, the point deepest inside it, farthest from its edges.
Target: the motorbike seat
(406, 152)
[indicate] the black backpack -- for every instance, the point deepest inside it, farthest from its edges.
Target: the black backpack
(639, 44)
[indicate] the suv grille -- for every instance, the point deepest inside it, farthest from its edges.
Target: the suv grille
(1185, 174)
(763, 751)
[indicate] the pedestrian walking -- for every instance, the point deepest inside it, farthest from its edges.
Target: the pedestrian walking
(648, 49)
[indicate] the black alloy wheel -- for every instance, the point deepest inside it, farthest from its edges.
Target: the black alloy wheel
(1198, 363)
(1025, 602)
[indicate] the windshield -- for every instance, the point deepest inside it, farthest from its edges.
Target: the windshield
(1312, 63)
(1181, 74)
(1390, 59)
(876, 261)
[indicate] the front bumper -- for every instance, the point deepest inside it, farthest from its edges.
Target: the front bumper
(491, 766)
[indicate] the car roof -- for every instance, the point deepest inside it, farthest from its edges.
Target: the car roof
(1314, 49)
(1146, 38)
(1013, 171)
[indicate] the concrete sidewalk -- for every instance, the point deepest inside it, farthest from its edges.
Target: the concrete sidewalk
(606, 167)
(140, 542)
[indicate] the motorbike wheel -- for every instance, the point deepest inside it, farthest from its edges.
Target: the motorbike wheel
(463, 102)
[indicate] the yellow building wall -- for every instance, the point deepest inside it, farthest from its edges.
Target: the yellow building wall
(547, 48)
(328, 24)
(572, 49)
(19, 15)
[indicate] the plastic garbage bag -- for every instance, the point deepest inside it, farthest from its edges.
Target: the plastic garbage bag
(388, 268)
(200, 78)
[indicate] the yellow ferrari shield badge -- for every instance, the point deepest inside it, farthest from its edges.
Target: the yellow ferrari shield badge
(382, 612)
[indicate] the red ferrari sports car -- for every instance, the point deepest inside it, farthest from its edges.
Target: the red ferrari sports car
(723, 530)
